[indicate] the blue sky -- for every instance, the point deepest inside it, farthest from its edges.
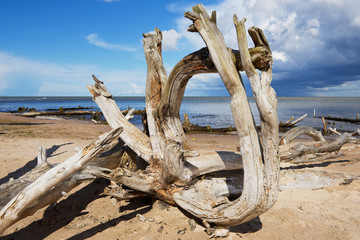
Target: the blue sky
(51, 48)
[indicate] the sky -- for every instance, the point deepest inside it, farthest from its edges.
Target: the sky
(51, 48)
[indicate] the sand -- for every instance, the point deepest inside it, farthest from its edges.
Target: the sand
(316, 201)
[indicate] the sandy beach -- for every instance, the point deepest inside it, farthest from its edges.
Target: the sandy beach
(316, 201)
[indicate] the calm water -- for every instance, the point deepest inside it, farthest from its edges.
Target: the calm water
(212, 111)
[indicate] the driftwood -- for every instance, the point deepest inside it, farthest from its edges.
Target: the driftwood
(57, 113)
(356, 120)
(194, 128)
(166, 167)
(291, 122)
(167, 173)
(50, 186)
(190, 127)
(310, 151)
(301, 130)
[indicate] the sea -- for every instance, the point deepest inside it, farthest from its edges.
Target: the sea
(213, 111)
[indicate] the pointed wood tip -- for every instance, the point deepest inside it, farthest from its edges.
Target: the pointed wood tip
(213, 17)
(96, 80)
(191, 15)
(192, 28)
(236, 20)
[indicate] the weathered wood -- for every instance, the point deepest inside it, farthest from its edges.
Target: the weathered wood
(324, 123)
(356, 120)
(195, 63)
(156, 78)
(210, 162)
(254, 199)
(171, 172)
(42, 158)
(48, 188)
(57, 113)
(132, 136)
(107, 160)
(301, 149)
(291, 122)
(295, 132)
(120, 193)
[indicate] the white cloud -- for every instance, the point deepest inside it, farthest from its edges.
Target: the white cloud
(205, 82)
(356, 22)
(280, 56)
(298, 29)
(94, 39)
(348, 89)
(170, 40)
(135, 89)
(313, 26)
(23, 76)
(122, 82)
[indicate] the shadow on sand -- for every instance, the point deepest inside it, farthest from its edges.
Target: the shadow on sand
(313, 165)
(31, 164)
(59, 215)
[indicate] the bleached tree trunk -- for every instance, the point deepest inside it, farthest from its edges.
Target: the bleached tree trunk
(50, 186)
(260, 180)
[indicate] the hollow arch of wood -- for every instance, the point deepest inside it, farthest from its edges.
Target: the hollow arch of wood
(198, 62)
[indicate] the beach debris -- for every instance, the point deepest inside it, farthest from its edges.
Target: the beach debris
(192, 224)
(181, 231)
(325, 124)
(26, 109)
(220, 233)
(161, 228)
(142, 218)
(339, 119)
(42, 158)
(291, 122)
(319, 150)
(333, 130)
(57, 113)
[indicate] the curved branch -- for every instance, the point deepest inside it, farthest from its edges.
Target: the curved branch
(295, 132)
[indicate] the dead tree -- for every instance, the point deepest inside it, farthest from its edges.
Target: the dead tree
(168, 169)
